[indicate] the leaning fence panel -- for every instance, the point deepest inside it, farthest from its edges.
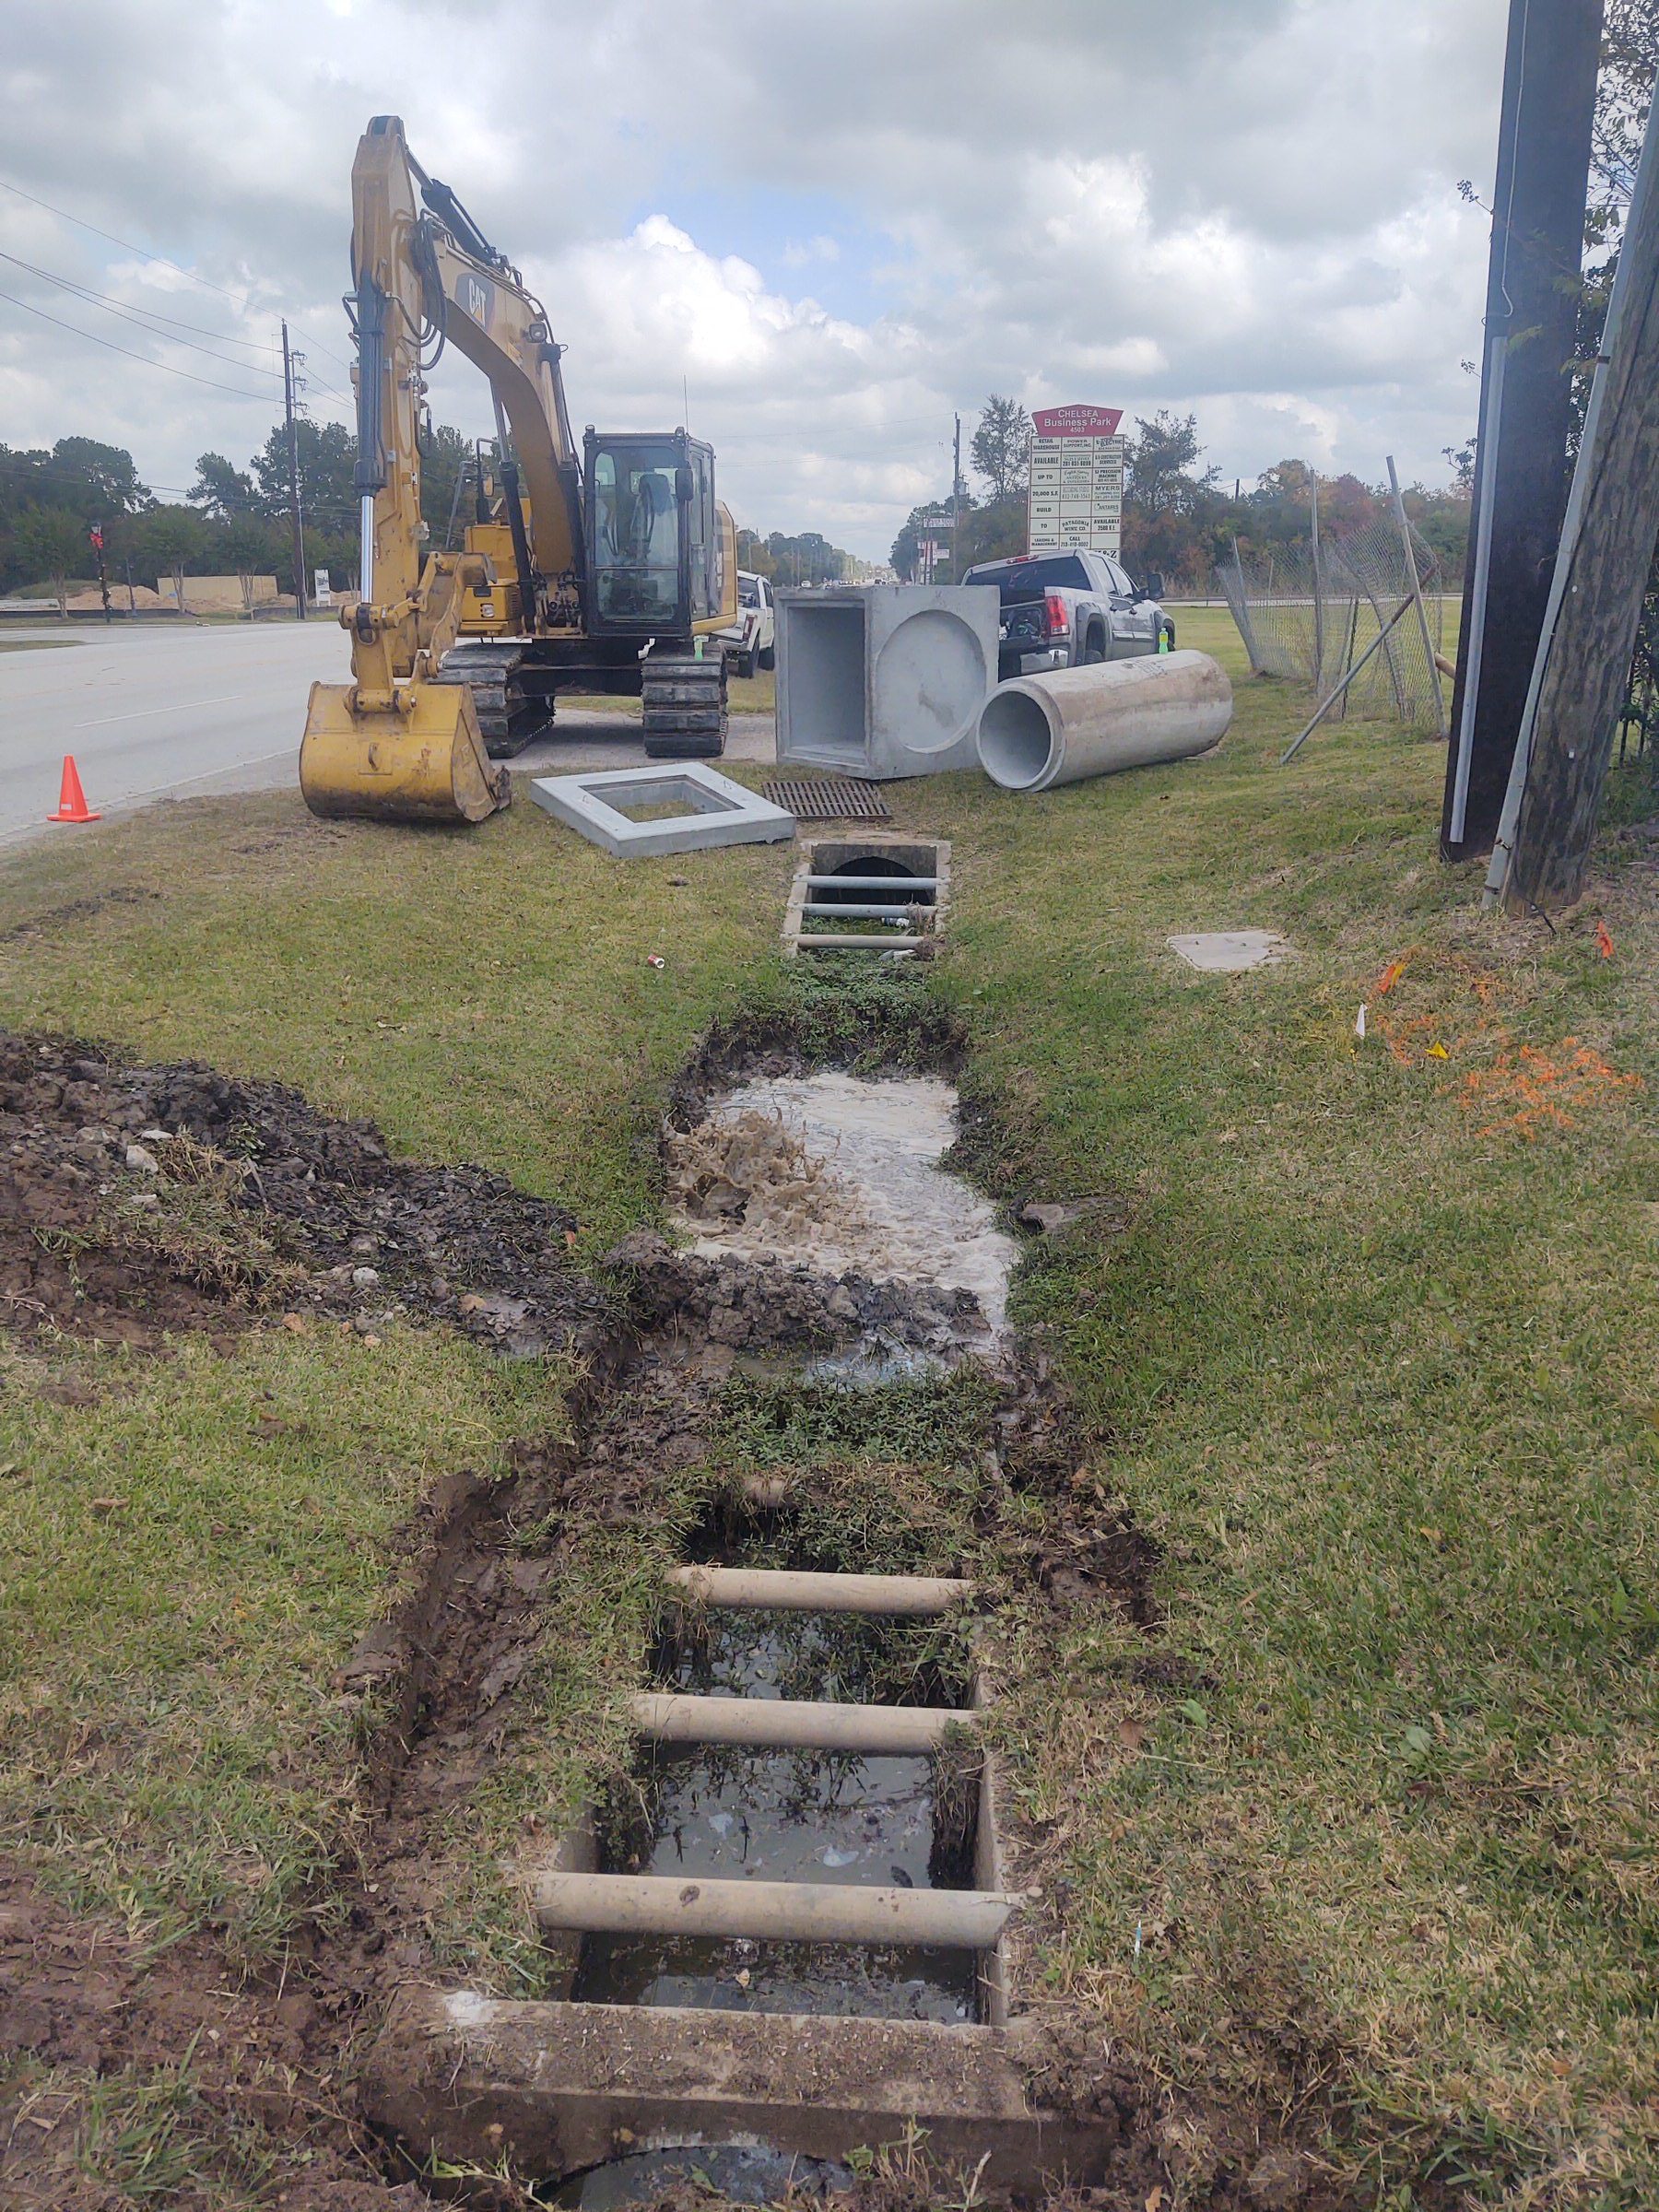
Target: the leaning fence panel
(1316, 618)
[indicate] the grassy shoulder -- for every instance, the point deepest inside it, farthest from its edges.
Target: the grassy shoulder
(756, 694)
(1367, 1338)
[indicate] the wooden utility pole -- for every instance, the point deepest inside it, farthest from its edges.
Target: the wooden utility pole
(1521, 466)
(293, 460)
(1595, 602)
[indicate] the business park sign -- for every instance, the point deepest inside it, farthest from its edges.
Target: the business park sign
(1077, 486)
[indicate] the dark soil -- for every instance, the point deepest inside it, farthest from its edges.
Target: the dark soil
(334, 1220)
(223, 2078)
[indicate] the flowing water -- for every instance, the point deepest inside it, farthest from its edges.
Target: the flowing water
(840, 1173)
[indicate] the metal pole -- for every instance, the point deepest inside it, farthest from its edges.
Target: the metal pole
(1491, 414)
(1326, 703)
(955, 507)
(293, 462)
(1318, 595)
(1417, 593)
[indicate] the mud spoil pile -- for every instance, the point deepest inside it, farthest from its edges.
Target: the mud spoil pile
(136, 1200)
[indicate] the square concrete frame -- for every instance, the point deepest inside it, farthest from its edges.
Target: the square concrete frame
(717, 811)
(884, 679)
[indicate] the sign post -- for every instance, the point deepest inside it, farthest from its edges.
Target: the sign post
(96, 535)
(1076, 482)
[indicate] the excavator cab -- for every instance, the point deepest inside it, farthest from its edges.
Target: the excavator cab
(654, 556)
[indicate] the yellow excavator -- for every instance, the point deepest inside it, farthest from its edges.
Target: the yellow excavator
(601, 572)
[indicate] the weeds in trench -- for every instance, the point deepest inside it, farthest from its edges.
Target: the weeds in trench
(842, 1010)
(936, 1421)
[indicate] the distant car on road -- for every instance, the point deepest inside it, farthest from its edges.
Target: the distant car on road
(750, 643)
(1066, 610)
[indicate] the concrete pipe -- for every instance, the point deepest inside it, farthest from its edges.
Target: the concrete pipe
(1040, 731)
(673, 1904)
(795, 1723)
(782, 1590)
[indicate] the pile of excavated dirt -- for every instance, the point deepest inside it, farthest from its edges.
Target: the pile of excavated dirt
(91, 1147)
(768, 1305)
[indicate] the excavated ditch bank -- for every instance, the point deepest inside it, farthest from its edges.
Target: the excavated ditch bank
(718, 1407)
(136, 1200)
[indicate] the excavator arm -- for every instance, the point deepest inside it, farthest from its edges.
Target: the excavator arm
(396, 743)
(407, 739)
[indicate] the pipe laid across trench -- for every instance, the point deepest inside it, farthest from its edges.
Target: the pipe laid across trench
(655, 1904)
(795, 1723)
(784, 1591)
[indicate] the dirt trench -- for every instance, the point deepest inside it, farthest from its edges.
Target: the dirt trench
(235, 2069)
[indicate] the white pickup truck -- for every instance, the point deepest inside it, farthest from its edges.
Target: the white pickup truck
(751, 642)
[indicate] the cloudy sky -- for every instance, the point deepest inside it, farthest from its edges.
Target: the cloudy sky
(836, 220)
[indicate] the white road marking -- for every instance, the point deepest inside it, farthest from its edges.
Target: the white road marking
(179, 706)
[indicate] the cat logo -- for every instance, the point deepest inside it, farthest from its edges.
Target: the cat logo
(477, 297)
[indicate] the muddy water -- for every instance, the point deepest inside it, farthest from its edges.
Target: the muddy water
(840, 1173)
(737, 2175)
(784, 1817)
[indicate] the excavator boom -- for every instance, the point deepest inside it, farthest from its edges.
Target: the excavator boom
(604, 571)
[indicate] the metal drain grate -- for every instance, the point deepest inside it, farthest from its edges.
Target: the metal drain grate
(829, 799)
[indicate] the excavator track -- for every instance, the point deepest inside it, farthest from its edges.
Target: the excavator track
(506, 717)
(685, 706)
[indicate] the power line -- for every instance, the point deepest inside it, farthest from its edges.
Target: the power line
(92, 340)
(244, 300)
(126, 307)
(111, 307)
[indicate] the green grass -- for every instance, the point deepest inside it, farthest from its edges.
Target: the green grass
(754, 694)
(1369, 1347)
(190, 1557)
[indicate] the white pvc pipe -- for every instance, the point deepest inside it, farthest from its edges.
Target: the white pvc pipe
(784, 1591)
(1041, 731)
(795, 1723)
(673, 1904)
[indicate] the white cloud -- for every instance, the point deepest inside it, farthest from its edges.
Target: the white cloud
(1249, 211)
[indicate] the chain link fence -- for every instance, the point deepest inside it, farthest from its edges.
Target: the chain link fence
(1313, 616)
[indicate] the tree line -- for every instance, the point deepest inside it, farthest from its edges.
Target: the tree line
(1179, 518)
(231, 521)
(234, 521)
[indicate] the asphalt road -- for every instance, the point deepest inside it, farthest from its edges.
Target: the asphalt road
(168, 712)
(156, 713)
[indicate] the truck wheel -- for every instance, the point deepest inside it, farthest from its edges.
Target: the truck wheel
(768, 657)
(746, 664)
(1093, 650)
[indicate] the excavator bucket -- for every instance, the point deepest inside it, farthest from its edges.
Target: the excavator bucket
(427, 765)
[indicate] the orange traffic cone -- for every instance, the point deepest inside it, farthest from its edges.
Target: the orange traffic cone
(72, 800)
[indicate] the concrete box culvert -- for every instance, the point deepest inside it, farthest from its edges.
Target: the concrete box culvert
(1039, 732)
(885, 680)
